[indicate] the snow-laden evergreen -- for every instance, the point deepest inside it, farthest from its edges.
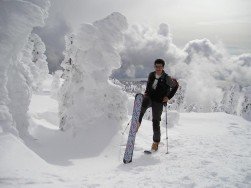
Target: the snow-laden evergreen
(40, 71)
(69, 55)
(245, 108)
(29, 66)
(35, 63)
(230, 99)
(17, 19)
(87, 98)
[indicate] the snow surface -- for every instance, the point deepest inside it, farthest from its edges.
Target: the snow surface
(205, 150)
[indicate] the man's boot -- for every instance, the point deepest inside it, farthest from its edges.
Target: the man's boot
(155, 146)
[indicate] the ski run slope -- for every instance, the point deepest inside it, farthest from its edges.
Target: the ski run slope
(205, 150)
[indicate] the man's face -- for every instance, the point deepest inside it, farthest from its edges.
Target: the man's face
(159, 69)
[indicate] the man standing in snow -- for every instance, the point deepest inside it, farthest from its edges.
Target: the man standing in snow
(160, 88)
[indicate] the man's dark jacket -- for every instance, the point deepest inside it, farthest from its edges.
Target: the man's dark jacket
(166, 87)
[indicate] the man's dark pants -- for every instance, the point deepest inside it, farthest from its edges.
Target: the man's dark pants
(157, 109)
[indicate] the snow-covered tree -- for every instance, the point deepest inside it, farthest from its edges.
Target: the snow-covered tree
(29, 66)
(87, 97)
(69, 55)
(15, 27)
(246, 104)
(35, 61)
(230, 99)
(177, 102)
(41, 71)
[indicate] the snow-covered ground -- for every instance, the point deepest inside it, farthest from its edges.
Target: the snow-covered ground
(205, 150)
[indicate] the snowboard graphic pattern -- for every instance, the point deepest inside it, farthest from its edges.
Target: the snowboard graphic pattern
(133, 128)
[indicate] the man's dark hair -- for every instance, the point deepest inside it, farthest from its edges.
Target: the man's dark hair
(159, 61)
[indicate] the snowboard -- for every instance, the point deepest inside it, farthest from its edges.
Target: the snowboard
(133, 128)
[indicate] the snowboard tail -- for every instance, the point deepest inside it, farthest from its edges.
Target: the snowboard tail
(148, 152)
(133, 128)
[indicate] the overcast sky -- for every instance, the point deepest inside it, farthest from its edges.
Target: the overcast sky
(227, 21)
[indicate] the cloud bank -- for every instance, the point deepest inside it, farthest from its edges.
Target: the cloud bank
(200, 56)
(142, 46)
(206, 68)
